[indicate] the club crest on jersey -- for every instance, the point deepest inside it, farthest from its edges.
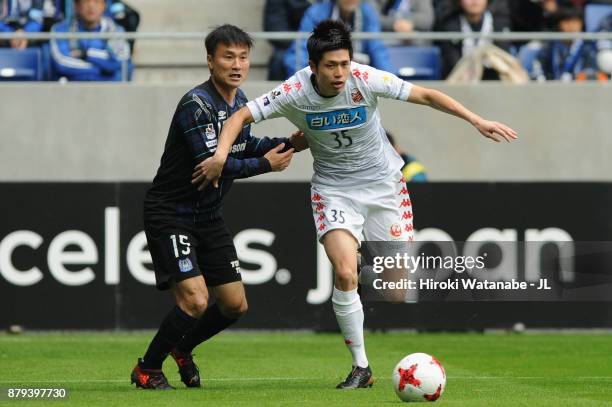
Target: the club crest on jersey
(210, 132)
(185, 265)
(337, 119)
(356, 95)
(222, 115)
(266, 101)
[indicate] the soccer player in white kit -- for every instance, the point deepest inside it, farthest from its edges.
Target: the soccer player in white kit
(358, 192)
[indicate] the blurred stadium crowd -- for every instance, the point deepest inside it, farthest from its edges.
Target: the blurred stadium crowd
(110, 60)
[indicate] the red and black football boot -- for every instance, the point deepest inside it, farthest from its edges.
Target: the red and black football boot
(153, 379)
(190, 374)
(358, 378)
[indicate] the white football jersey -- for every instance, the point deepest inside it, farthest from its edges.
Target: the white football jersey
(347, 140)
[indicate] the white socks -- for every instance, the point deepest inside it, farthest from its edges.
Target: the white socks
(349, 314)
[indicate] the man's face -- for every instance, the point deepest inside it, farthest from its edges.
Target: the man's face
(348, 6)
(570, 25)
(332, 71)
(90, 11)
(474, 7)
(229, 65)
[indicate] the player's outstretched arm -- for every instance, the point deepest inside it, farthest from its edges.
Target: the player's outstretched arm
(444, 103)
(210, 169)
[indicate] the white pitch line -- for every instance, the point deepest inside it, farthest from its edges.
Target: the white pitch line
(278, 379)
(529, 377)
(210, 379)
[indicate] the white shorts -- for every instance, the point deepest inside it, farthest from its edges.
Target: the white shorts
(379, 211)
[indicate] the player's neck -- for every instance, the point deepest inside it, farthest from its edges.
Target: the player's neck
(227, 93)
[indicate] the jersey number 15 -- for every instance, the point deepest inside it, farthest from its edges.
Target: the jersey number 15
(183, 244)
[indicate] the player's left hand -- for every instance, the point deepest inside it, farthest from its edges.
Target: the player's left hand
(298, 140)
(208, 171)
(496, 131)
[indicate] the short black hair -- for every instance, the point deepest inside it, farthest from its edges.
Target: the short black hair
(328, 35)
(227, 34)
(567, 13)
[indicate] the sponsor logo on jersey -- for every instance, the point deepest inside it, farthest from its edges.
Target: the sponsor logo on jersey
(222, 115)
(304, 107)
(210, 132)
(275, 93)
(396, 230)
(356, 95)
(336, 119)
(266, 101)
(185, 265)
(236, 148)
(211, 143)
(287, 87)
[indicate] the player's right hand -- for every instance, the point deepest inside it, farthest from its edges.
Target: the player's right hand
(279, 161)
(496, 131)
(208, 171)
(298, 139)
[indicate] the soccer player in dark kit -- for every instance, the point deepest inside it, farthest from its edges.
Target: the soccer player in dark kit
(189, 242)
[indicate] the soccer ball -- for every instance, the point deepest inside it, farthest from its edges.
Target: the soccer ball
(419, 377)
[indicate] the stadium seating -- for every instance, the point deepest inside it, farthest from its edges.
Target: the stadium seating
(593, 14)
(47, 71)
(528, 54)
(20, 65)
(416, 63)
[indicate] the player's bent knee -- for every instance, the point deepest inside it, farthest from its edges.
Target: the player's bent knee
(194, 305)
(236, 309)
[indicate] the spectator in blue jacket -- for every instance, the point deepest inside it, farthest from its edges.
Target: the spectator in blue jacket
(123, 14)
(90, 59)
(282, 15)
(406, 16)
(21, 16)
(567, 60)
(360, 16)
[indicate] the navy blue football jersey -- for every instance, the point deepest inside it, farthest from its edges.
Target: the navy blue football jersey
(193, 137)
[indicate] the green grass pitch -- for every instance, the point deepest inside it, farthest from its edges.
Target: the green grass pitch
(303, 368)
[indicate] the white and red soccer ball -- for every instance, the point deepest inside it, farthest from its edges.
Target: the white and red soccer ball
(419, 377)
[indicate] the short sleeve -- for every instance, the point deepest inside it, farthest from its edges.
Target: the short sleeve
(384, 84)
(271, 105)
